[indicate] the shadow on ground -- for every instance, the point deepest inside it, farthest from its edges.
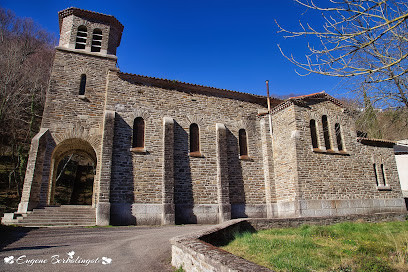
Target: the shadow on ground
(10, 234)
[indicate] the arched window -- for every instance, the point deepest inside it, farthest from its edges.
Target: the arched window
(375, 173)
(313, 133)
(383, 174)
(338, 137)
(326, 133)
(138, 133)
(96, 40)
(243, 145)
(82, 85)
(194, 138)
(82, 33)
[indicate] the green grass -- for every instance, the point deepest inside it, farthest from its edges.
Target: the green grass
(376, 247)
(180, 269)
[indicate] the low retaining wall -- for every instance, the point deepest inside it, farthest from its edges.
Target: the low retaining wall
(199, 252)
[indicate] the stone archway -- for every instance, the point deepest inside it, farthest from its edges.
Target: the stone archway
(75, 181)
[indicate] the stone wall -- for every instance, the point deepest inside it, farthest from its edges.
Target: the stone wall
(69, 115)
(333, 182)
(31, 194)
(64, 105)
(199, 252)
(137, 176)
(72, 18)
(285, 161)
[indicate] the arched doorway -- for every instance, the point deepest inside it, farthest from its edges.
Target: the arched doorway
(74, 181)
(72, 173)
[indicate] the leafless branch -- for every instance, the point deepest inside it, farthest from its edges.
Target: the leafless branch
(365, 39)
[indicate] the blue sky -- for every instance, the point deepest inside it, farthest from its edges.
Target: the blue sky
(219, 43)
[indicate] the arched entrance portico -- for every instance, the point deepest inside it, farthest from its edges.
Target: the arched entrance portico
(73, 165)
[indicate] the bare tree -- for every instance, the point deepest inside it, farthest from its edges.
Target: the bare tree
(26, 53)
(366, 40)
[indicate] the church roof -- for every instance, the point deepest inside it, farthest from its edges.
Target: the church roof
(318, 96)
(195, 88)
(304, 99)
(376, 142)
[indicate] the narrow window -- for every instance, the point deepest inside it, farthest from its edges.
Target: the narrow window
(375, 173)
(313, 133)
(82, 33)
(96, 40)
(138, 133)
(383, 174)
(82, 85)
(243, 145)
(326, 132)
(194, 138)
(338, 137)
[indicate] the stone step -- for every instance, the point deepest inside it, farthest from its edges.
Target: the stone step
(61, 215)
(75, 215)
(61, 212)
(59, 222)
(49, 221)
(69, 207)
(56, 220)
(90, 217)
(51, 216)
(66, 209)
(54, 224)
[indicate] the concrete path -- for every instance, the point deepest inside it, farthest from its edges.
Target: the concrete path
(111, 249)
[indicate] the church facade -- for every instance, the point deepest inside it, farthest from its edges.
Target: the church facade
(169, 152)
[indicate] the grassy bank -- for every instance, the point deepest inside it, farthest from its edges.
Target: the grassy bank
(342, 247)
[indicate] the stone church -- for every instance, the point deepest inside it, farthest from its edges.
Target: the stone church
(169, 152)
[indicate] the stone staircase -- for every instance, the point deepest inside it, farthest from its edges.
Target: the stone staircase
(65, 215)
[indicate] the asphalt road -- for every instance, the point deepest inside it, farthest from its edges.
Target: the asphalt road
(90, 249)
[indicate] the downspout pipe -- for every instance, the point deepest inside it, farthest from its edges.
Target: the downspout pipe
(269, 106)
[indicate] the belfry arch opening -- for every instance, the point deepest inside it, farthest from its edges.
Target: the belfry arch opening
(73, 174)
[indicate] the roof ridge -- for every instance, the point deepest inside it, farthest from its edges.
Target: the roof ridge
(319, 94)
(295, 100)
(307, 95)
(193, 84)
(375, 140)
(190, 87)
(68, 11)
(91, 11)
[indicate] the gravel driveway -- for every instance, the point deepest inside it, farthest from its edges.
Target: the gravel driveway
(90, 249)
